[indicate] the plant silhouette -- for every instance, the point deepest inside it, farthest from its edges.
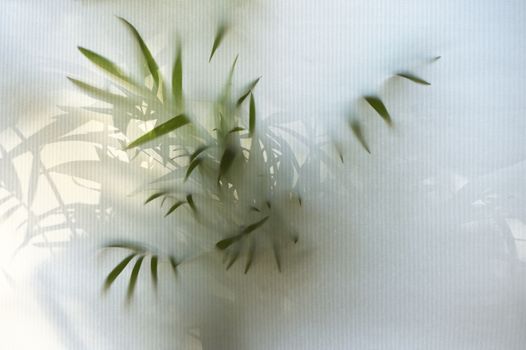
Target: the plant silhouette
(231, 174)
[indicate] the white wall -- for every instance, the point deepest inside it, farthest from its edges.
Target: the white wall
(420, 245)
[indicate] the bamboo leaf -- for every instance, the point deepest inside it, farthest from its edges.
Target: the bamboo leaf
(338, 150)
(226, 161)
(277, 255)
(236, 129)
(235, 255)
(150, 61)
(255, 225)
(153, 268)
(173, 264)
(190, 201)
(177, 81)
(103, 63)
(218, 39)
(252, 116)
(117, 271)
(357, 131)
(99, 94)
(250, 255)
(232, 70)
(154, 196)
(171, 125)
(133, 277)
(413, 78)
(379, 107)
(227, 242)
(173, 207)
(225, 95)
(248, 92)
(191, 167)
(197, 152)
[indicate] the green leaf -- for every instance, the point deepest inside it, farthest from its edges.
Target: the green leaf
(133, 277)
(227, 242)
(338, 150)
(248, 92)
(300, 200)
(150, 61)
(226, 161)
(191, 167)
(379, 107)
(235, 255)
(232, 70)
(171, 125)
(255, 225)
(99, 94)
(277, 256)
(198, 151)
(103, 63)
(117, 271)
(173, 207)
(413, 78)
(218, 39)
(236, 129)
(250, 255)
(153, 268)
(252, 116)
(154, 196)
(357, 131)
(225, 94)
(190, 201)
(177, 81)
(174, 264)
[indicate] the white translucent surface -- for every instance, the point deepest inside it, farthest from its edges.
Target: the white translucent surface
(422, 244)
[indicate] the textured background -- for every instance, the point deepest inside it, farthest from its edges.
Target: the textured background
(420, 245)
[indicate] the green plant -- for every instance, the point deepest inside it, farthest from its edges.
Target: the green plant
(237, 180)
(233, 178)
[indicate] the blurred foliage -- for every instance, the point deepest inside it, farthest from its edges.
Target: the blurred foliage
(235, 179)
